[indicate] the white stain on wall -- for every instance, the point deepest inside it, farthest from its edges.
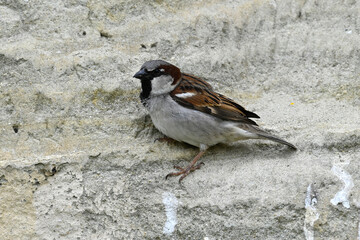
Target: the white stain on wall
(357, 204)
(311, 214)
(171, 204)
(343, 195)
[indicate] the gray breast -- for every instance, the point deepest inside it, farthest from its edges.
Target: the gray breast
(183, 124)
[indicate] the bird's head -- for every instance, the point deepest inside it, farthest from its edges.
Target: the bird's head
(157, 77)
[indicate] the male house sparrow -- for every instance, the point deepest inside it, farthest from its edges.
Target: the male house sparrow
(186, 108)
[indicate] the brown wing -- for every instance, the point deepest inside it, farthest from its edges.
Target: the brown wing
(195, 93)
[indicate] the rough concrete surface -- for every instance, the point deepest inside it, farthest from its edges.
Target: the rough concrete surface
(67, 95)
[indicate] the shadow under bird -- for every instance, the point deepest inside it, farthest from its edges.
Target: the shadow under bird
(187, 109)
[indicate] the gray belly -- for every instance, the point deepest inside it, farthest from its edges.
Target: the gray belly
(185, 125)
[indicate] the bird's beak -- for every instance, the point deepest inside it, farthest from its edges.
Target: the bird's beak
(140, 74)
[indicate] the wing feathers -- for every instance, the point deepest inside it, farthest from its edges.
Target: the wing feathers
(193, 92)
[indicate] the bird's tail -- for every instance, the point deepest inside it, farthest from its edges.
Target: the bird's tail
(263, 134)
(276, 139)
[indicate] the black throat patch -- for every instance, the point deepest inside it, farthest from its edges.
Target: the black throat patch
(146, 89)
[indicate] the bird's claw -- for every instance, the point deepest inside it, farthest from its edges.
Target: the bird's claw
(184, 171)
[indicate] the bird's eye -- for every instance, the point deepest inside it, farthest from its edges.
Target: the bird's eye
(157, 72)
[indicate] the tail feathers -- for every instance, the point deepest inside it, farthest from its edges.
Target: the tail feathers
(276, 139)
(264, 134)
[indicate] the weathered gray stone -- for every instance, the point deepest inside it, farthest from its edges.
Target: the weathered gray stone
(67, 95)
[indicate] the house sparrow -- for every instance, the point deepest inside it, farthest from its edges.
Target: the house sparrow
(186, 108)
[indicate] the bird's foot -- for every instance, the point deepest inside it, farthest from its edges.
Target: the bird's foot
(184, 171)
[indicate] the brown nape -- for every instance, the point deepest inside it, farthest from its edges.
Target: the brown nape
(172, 71)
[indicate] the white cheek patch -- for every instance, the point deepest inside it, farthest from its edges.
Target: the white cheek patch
(185, 95)
(161, 85)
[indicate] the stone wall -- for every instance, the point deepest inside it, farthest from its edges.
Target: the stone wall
(67, 95)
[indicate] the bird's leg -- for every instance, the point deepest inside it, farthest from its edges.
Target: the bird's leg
(165, 139)
(197, 166)
(190, 168)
